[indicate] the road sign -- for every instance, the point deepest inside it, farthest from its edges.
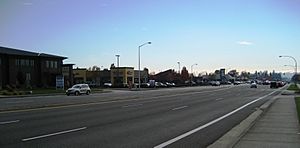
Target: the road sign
(60, 81)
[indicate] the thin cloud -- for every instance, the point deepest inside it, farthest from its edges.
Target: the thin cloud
(27, 4)
(246, 43)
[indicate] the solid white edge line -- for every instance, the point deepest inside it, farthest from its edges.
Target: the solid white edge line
(7, 122)
(210, 123)
(54, 134)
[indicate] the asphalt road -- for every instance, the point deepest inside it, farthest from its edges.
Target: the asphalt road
(179, 117)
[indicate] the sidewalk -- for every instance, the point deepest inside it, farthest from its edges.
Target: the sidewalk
(277, 128)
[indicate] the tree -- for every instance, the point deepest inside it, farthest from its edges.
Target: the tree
(184, 74)
(96, 68)
(112, 66)
(245, 75)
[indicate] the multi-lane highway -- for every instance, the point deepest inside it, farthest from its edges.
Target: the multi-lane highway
(177, 117)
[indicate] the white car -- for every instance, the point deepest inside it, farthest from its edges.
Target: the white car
(107, 84)
(253, 85)
(79, 89)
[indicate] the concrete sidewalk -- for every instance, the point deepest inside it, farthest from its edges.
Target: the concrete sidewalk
(277, 128)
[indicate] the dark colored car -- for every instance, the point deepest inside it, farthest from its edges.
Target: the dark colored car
(273, 84)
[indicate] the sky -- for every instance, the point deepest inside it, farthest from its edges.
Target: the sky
(246, 35)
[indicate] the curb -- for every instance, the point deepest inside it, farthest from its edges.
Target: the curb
(236, 133)
(43, 95)
(37, 95)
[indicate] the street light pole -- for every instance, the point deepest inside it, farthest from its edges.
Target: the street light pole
(192, 73)
(139, 52)
(294, 61)
(179, 67)
(118, 60)
(289, 66)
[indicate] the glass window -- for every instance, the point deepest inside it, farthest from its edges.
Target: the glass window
(28, 76)
(55, 64)
(32, 63)
(22, 62)
(27, 62)
(51, 64)
(47, 64)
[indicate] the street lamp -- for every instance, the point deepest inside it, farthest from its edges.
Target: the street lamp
(118, 60)
(294, 61)
(289, 66)
(192, 73)
(179, 67)
(139, 51)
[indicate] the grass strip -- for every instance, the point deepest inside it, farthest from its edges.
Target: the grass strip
(293, 87)
(297, 101)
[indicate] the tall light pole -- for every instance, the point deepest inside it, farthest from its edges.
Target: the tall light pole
(289, 66)
(118, 60)
(294, 61)
(192, 73)
(139, 52)
(178, 67)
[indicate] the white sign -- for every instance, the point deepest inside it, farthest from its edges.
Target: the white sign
(60, 82)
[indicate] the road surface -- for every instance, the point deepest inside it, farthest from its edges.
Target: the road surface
(175, 117)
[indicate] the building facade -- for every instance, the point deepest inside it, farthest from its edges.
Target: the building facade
(122, 76)
(79, 75)
(67, 72)
(144, 76)
(24, 69)
(105, 77)
(93, 78)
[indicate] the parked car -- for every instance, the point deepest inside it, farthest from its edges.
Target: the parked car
(79, 89)
(280, 84)
(107, 84)
(145, 85)
(267, 82)
(215, 83)
(273, 84)
(253, 85)
(159, 84)
(237, 83)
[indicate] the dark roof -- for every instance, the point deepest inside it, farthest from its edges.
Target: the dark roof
(50, 56)
(68, 64)
(11, 51)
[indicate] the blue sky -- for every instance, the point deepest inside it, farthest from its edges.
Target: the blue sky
(233, 34)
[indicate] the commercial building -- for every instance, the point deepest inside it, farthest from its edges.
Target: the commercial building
(20, 68)
(122, 76)
(105, 77)
(168, 76)
(67, 72)
(144, 76)
(79, 75)
(93, 78)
